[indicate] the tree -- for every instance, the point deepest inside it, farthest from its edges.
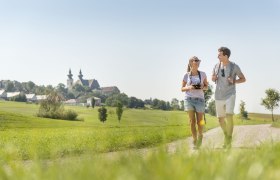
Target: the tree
(182, 105)
(79, 88)
(212, 108)
(162, 105)
(102, 114)
(62, 89)
(51, 107)
(20, 98)
(271, 101)
(39, 90)
(242, 112)
(175, 104)
(208, 94)
(168, 106)
(10, 87)
(70, 95)
(133, 102)
(92, 102)
(119, 110)
(113, 99)
(30, 86)
(49, 89)
(148, 101)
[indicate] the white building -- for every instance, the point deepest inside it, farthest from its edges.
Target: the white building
(41, 97)
(97, 101)
(30, 97)
(3, 94)
(12, 94)
(72, 102)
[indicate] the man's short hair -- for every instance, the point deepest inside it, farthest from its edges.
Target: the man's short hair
(225, 50)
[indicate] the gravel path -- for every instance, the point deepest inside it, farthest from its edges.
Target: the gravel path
(247, 136)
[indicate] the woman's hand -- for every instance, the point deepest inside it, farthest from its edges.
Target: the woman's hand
(189, 87)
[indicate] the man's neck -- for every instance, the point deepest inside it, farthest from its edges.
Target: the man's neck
(226, 62)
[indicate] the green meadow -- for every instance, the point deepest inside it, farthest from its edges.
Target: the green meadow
(36, 137)
(40, 148)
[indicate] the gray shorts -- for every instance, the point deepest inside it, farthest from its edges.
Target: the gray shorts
(195, 104)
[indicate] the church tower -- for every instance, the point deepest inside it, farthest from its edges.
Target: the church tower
(81, 76)
(70, 80)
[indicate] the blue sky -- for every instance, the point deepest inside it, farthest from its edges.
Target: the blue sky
(138, 45)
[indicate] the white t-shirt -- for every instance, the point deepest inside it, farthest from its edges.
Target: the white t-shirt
(190, 80)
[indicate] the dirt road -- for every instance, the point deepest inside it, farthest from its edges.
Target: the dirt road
(246, 136)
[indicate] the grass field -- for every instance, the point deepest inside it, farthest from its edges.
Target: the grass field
(39, 148)
(36, 137)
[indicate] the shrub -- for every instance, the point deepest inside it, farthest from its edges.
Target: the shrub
(102, 114)
(70, 115)
(212, 108)
(52, 108)
(20, 98)
(119, 110)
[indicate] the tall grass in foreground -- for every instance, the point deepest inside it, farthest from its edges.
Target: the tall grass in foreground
(249, 164)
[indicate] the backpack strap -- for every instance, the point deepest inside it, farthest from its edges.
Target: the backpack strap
(199, 75)
(188, 77)
(232, 64)
(217, 71)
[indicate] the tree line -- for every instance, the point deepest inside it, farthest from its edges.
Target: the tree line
(82, 93)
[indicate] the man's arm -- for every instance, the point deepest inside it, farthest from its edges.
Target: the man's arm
(241, 79)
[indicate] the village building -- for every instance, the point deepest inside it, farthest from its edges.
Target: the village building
(3, 94)
(96, 99)
(31, 97)
(12, 94)
(72, 102)
(41, 97)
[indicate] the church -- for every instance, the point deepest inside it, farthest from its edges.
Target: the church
(91, 83)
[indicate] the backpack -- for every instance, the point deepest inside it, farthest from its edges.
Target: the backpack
(232, 64)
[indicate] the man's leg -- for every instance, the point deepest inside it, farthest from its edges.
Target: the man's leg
(221, 114)
(230, 103)
(229, 126)
(223, 124)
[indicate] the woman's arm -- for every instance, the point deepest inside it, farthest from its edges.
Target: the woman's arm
(205, 85)
(185, 87)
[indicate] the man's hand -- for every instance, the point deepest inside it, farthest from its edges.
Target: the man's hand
(214, 78)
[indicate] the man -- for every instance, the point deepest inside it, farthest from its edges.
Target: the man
(225, 75)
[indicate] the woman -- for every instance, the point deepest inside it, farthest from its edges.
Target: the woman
(194, 83)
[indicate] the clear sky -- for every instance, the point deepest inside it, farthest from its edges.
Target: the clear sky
(140, 46)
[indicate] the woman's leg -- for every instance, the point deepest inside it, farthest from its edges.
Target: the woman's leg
(193, 125)
(200, 124)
